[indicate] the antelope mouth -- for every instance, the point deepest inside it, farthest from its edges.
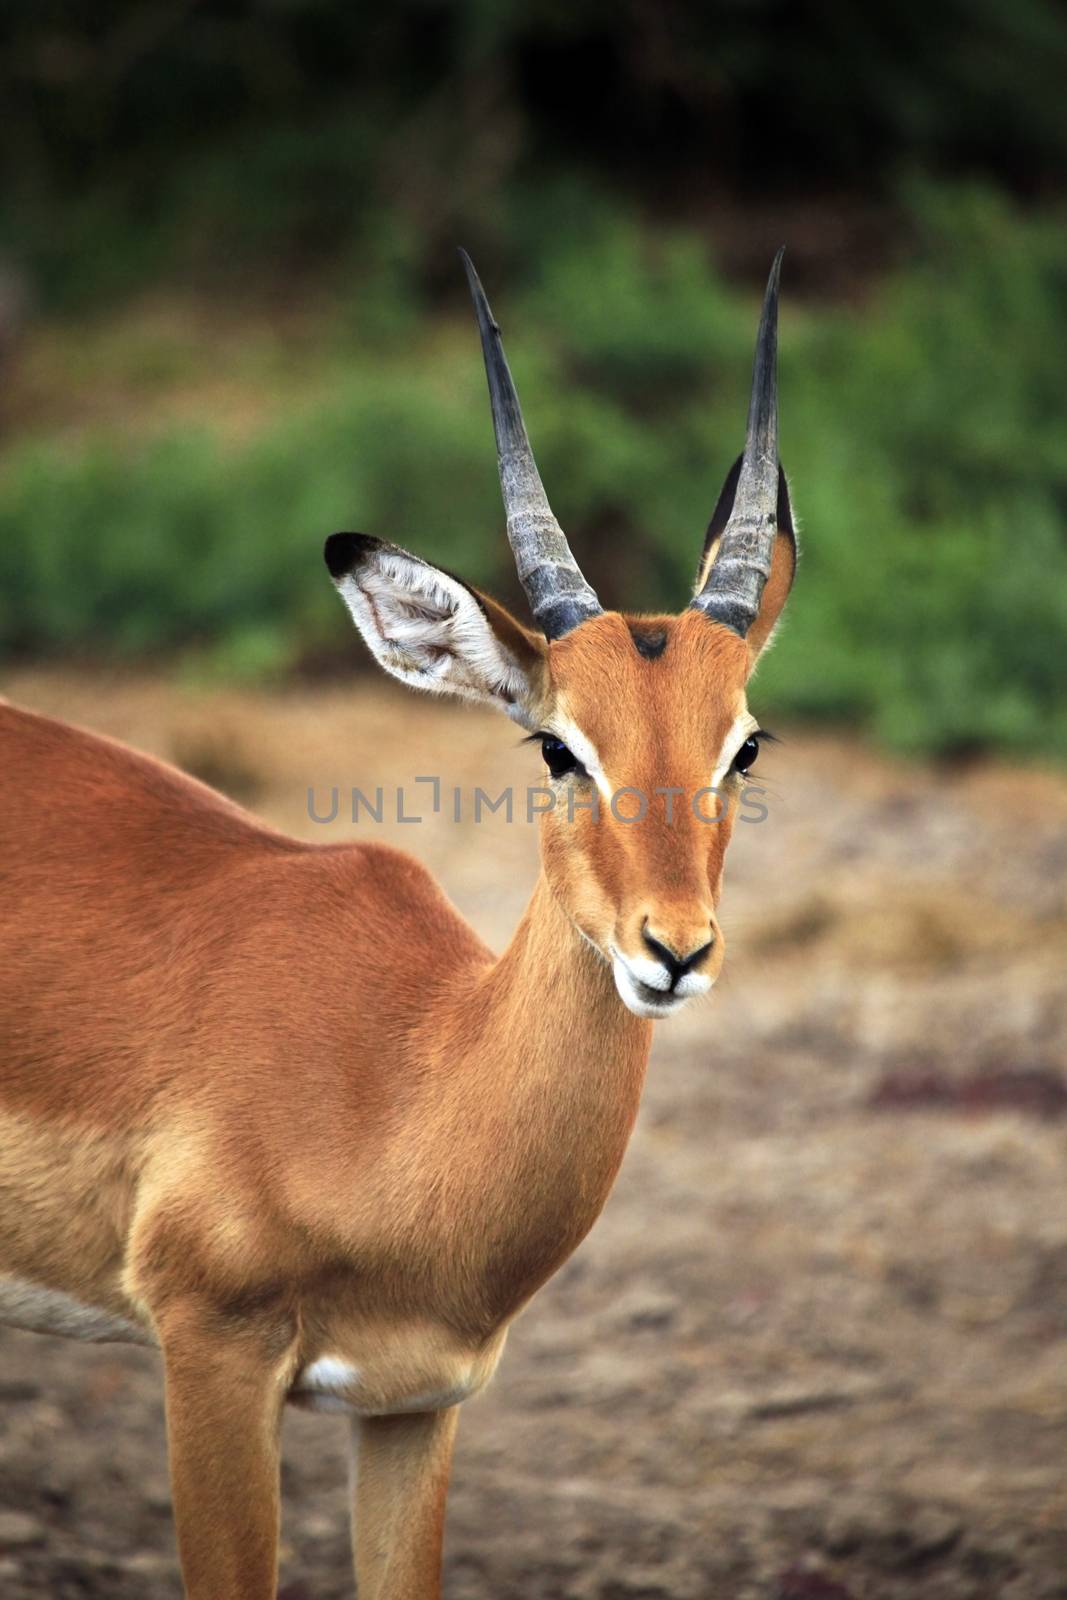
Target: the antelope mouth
(641, 998)
(652, 997)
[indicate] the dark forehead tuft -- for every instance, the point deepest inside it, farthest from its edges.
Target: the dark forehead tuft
(650, 639)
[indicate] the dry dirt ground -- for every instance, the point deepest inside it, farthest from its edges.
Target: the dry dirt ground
(816, 1348)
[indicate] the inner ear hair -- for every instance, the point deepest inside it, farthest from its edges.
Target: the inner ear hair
(430, 629)
(527, 647)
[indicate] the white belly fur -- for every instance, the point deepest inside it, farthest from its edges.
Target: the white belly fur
(331, 1383)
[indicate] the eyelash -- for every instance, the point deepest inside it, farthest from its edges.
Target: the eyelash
(756, 737)
(567, 761)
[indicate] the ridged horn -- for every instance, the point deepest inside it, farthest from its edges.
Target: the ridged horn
(734, 586)
(559, 596)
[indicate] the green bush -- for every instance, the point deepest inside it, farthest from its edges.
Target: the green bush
(933, 470)
(922, 432)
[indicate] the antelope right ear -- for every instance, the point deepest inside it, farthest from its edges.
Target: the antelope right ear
(434, 632)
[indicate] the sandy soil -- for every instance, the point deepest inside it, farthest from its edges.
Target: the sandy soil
(816, 1348)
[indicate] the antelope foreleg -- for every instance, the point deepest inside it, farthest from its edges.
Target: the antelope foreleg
(225, 1387)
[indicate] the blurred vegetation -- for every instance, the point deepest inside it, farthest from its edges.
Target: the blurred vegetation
(190, 137)
(284, 153)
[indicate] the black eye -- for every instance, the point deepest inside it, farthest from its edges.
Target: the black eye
(558, 758)
(747, 754)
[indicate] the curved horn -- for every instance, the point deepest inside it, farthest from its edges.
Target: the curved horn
(731, 595)
(559, 596)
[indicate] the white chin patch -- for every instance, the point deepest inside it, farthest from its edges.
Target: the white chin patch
(641, 1000)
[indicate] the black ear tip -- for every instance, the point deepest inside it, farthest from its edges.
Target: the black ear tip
(343, 550)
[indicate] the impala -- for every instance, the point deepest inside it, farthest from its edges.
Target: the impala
(274, 1108)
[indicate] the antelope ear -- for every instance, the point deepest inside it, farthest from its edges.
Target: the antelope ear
(434, 632)
(783, 561)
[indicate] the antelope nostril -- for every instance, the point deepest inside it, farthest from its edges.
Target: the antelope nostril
(676, 965)
(660, 951)
(699, 956)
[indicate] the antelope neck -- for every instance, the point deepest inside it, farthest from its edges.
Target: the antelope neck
(550, 1068)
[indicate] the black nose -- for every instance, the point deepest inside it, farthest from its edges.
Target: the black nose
(677, 966)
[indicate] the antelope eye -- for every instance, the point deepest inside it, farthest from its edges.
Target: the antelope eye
(558, 758)
(747, 754)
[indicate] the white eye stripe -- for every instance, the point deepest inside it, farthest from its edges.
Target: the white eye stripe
(583, 750)
(742, 728)
(568, 732)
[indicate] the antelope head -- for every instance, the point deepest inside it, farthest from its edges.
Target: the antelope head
(643, 720)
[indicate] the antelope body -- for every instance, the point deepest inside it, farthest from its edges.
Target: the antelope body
(275, 1108)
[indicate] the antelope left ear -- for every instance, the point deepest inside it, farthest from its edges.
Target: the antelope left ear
(783, 561)
(434, 632)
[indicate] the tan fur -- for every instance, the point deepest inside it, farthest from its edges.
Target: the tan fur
(271, 1102)
(662, 724)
